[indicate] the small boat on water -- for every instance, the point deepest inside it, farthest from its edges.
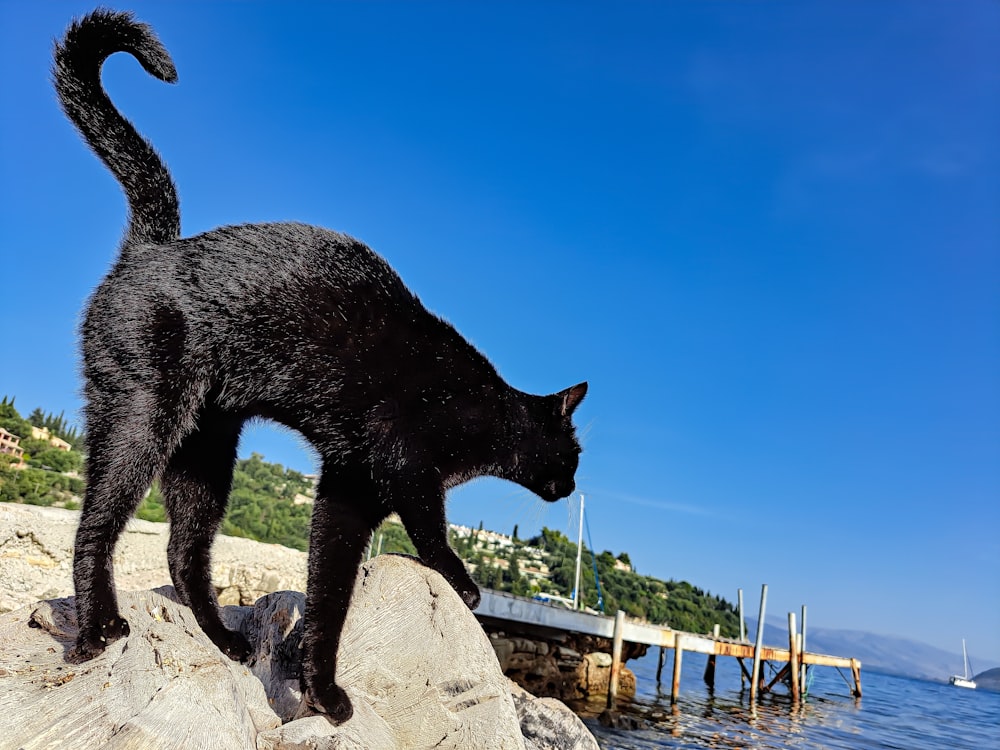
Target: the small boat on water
(964, 681)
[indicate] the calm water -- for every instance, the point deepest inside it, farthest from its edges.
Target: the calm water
(895, 713)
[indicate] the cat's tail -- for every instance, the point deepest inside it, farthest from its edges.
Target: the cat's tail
(154, 212)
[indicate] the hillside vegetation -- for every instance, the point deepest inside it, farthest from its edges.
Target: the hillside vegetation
(508, 564)
(262, 504)
(51, 475)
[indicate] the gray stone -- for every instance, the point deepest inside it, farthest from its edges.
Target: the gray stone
(567, 654)
(617, 720)
(525, 645)
(152, 690)
(504, 649)
(36, 559)
(366, 730)
(600, 659)
(548, 724)
(439, 685)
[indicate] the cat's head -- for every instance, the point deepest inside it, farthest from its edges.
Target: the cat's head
(547, 452)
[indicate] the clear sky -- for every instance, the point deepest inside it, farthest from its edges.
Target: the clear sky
(766, 233)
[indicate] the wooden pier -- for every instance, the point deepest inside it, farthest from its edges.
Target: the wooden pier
(793, 657)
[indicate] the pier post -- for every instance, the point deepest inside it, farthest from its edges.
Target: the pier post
(675, 687)
(793, 657)
(856, 671)
(577, 599)
(743, 622)
(743, 634)
(755, 674)
(802, 650)
(659, 666)
(710, 664)
(616, 658)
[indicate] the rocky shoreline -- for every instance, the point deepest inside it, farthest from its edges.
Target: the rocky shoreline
(166, 685)
(36, 554)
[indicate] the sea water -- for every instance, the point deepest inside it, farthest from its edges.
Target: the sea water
(895, 713)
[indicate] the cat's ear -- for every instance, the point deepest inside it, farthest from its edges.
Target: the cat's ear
(571, 398)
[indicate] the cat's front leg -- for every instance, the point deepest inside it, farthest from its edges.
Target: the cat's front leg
(427, 527)
(337, 541)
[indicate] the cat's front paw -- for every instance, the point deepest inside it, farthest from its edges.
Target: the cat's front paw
(235, 646)
(329, 700)
(91, 644)
(462, 582)
(84, 649)
(470, 595)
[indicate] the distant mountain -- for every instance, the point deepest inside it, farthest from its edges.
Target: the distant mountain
(879, 653)
(988, 680)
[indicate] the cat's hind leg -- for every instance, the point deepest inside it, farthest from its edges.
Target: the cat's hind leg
(125, 452)
(196, 486)
(144, 388)
(338, 535)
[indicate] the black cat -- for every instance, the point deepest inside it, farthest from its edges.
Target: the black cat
(187, 339)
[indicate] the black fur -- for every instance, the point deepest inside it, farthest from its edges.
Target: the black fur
(187, 339)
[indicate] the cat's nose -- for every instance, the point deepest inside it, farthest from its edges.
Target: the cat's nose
(557, 490)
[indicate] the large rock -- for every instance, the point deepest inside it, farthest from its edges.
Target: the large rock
(417, 665)
(412, 652)
(36, 546)
(161, 687)
(548, 724)
(36, 559)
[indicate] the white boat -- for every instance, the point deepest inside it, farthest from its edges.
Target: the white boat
(964, 681)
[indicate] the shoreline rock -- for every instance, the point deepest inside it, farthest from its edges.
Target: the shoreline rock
(570, 667)
(167, 686)
(36, 546)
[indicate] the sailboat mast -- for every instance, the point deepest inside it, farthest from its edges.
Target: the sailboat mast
(579, 555)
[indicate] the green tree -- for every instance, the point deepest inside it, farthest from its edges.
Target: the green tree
(496, 579)
(515, 569)
(11, 420)
(152, 508)
(395, 540)
(57, 459)
(480, 570)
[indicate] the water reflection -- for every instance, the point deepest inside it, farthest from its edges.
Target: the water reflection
(897, 713)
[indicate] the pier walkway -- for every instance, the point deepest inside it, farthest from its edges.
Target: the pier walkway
(547, 617)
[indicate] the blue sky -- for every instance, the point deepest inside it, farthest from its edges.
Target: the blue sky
(766, 234)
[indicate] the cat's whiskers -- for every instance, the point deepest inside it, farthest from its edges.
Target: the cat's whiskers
(530, 508)
(538, 510)
(526, 511)
(520, 511)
